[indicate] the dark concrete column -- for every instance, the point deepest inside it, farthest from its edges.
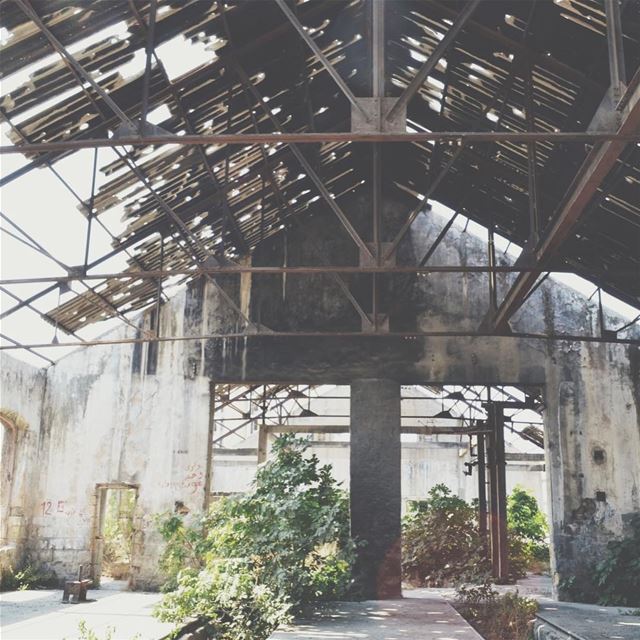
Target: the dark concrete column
(375, 485)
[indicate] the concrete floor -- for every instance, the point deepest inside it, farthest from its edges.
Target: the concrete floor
(40, 615)
(423, 614)
(419, 616)
(587, 622)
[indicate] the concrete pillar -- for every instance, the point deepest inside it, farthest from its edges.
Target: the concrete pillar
(375, 485)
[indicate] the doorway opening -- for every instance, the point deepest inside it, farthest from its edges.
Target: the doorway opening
(113, 549)
(478, 448)
(474, 483)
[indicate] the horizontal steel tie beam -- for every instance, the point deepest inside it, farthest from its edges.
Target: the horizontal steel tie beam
(302, 270)
(247, 139)
(327, 334)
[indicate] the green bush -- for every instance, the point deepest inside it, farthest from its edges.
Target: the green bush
(440, 540)
(287, 543)
(527, 529)
(118, 529)
(86, 633)
(617, 575)
(497, 617)
(442, 545)
(229, 599)
(29, 577)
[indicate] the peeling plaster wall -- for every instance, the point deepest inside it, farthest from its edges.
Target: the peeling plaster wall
(22, 393)
(107, 418)
(593, 451)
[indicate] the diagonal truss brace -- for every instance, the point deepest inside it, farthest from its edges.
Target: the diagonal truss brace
(593, 171)
(284, 7)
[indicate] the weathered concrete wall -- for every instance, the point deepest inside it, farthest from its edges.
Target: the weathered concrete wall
(424, 464)
(110, 414)
(21, 407)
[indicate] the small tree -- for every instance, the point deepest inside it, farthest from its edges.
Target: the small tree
(527, 528)
(252, 559)
(440, 540)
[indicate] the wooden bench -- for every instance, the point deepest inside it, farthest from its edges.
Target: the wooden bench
(76, 590)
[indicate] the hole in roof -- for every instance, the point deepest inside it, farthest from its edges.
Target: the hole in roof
(416, 55)
(159, 114)
(180, 56)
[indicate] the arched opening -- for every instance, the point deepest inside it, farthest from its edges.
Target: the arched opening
(12, 424)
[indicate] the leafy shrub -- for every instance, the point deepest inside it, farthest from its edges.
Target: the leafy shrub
(440, 540)
(528, 529)
(118, 531)
(497, 617)
(617, 575)
(253, 559)
(442, 543)
(86, 633)
(30, 577)
(229, 598)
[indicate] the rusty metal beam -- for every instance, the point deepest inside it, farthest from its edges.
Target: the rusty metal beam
(17, 345)
(29, 11)
(196, 253)
(422, 203)
(247, 139)
(29, 300)
(226, 207)
(35, 246)
(617, 71)
(592, 173)
(295, 270)
(47, 318)
(542, 59)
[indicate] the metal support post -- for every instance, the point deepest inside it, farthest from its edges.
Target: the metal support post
(482, 490)
(617, 72)
(498, 499)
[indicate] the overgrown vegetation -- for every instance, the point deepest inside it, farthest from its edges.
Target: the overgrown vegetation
(118, 533)
(497, 617)
(528, 530)
(254, 560)
(29, 577)
(86, 633)
(615, 579)
(442, 543)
